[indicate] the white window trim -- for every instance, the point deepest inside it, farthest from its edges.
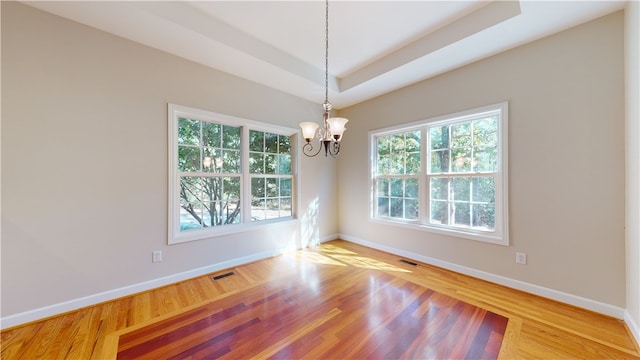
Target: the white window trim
(175, 236)
(501, 234)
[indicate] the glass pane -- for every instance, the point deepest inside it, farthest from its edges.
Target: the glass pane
(190, 190)
(412, 141)
(383, 187)
(439, 188)
(439, 137)
(484, 216)
(397, 143)
(230, 137)
(211, 161)
(383, 165)
(271, 143)
(396, 209)
(256, 163)
(188, 158)
(440, 161)
(285, 187)
(258, 210)
(284, 164)
(396, 187)
(190, 217)
(462, 214)
(273, 208)
(188, 132)
(231, 161)
(461, 135)
(270, 163)
(232, 188)
(484, 189)
(256, 140)
(272, 187)
(485, 131)
(485, 159)
(285, 207)
(211, 134)
(383, 145)
(461, 160)
(383, 206)
(411, 188)
(411, 208)
(284, 144)
(439, 213)
(257, 187)
(413, 163)
(461, 189)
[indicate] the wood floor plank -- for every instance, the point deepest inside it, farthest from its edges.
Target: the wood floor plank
(411, 304)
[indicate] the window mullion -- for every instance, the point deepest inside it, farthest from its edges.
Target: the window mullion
(245, 177)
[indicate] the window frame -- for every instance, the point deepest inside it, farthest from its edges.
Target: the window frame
(500, 234)
(174, 113)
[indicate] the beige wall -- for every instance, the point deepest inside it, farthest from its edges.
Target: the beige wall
(84, 162)
(566, 161)
(632, 58)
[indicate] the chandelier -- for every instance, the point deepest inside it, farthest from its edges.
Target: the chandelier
(330, 134)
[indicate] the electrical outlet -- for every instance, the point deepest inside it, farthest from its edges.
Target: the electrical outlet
(156, 256)
(521, 258)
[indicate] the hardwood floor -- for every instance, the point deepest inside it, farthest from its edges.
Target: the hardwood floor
(360, 281)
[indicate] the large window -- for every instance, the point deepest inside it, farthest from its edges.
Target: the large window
(445, 175)
(226, 173)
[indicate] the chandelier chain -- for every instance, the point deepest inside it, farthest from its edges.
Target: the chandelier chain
(326, 52)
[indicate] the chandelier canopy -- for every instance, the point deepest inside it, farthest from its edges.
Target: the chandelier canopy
(330, 134)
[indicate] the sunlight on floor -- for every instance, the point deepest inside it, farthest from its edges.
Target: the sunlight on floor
(334, 255)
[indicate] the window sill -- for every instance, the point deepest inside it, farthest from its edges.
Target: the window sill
(491, 238)
(214, 232)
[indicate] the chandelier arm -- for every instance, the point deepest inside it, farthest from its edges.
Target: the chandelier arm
(307, 149)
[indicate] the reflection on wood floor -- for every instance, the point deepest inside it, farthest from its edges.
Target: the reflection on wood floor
(337, 300)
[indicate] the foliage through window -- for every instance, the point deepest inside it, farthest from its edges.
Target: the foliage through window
(212, 187)
(446, 174)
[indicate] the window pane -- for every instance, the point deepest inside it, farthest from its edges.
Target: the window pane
(485, 159)
(413, 141)
(231, 137)
(270, 163)
(439, 188)
(211, 134)
(484, 189)
(284, 164)
(484, 216)
(383, 187)
(271, 143)
(284, 144)
(190, 217)
(285, 187)
(231, 161)
(256, 163)
(396, 209)
(272, 187)
(383, 206)
(411, 188)
(188, 132)
(461, 135)
(190, 190)
(258, 188)
(440, 161)
(285, 206)
(256, 140)
(396, 187)
(188, 158)
(439, 212)
(439, 137)
(462, 214)
(413, 163)
(461, 160)
(461, 189)
(485, 131)
(411, 208)
(258, 210)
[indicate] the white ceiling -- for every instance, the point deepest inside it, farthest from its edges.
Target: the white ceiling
(374, 46)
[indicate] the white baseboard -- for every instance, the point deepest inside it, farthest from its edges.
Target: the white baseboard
(563, 297)
(633, 326)
(75, 304)
(56, 309)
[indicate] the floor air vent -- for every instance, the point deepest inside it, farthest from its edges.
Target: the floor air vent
(222, 276)
(408, 262)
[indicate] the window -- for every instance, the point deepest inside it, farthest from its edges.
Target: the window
(446, 175)
(226, 173)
